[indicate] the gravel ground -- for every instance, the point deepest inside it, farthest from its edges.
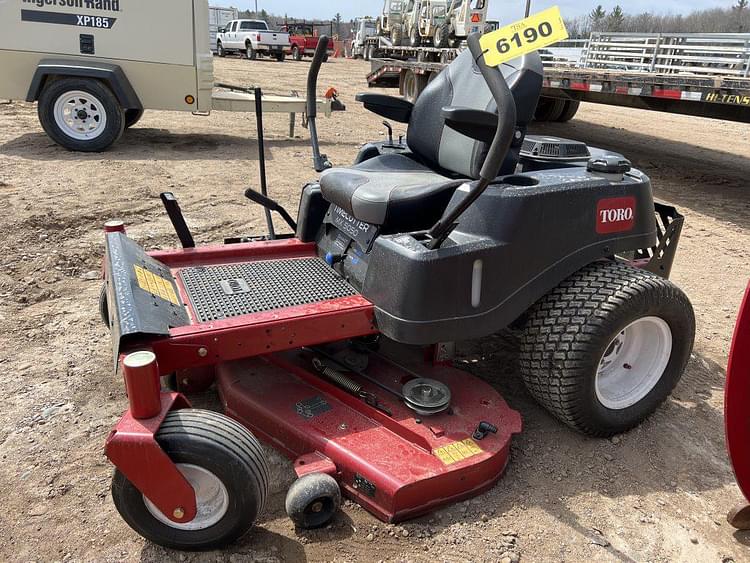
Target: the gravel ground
(659, 493)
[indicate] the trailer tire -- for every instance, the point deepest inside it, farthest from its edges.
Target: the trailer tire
(442, 35)
(104, 306)
(296, 53)
(413, 84)
(132, 116)
(603, 350)
(397, 35)
(569, 111)
(228, 464)
(220, 50)
(549, 109)
(313, 500)
(64, 102)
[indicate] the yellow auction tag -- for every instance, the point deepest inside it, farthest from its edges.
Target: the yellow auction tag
(535, 32)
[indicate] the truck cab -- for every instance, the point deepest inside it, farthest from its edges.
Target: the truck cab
(303, 38)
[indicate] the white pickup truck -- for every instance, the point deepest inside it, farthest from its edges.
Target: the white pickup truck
(253, 38)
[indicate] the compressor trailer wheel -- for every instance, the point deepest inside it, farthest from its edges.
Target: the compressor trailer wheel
(225, 465)
(605, 348)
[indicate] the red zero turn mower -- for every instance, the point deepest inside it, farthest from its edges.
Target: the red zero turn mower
(333, 344)
(736, 415)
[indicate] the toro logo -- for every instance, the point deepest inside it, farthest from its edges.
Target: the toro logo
(615, 215)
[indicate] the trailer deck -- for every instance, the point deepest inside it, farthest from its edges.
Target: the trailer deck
(706, 75)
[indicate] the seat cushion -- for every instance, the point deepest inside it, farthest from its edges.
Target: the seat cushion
(392, 190)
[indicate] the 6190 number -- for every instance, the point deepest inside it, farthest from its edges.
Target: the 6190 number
(527, 36)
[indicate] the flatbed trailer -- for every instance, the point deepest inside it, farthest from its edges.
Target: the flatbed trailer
(706, 75)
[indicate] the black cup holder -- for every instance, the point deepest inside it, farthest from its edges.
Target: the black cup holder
(520, 181)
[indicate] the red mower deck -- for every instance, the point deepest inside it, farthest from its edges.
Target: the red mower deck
(398, 466)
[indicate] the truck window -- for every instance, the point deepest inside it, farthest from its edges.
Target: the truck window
(253, 26)
(232, 27)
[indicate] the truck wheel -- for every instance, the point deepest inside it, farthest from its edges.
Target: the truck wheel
(132, 116)
(397, 35)
(281, 57)
(549, 109)
(606, 347)
(226, 466)
(569, 111)
(442, 35)
(250, 53)
(313, 500)
(297, 53)
(220, 50)
(81, 114)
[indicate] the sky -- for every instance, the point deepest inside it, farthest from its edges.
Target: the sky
(507, 11)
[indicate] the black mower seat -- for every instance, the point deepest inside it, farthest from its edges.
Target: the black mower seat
(411, 191)
(392, 189)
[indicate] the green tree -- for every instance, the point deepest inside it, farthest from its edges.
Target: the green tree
(337, 24)
(597, 18)
(616, 19)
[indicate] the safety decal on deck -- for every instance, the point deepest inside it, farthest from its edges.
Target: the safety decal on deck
(458, 451)
(155, 285)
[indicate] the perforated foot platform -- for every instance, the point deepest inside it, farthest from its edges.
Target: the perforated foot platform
(222, 292)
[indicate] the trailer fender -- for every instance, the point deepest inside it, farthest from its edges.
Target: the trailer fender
(112, 75)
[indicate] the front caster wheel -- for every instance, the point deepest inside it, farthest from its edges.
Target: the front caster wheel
(313, 500)
(225, 465)
(606, 347)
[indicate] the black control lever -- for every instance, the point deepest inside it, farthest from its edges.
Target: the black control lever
(390, 132)
(320, 161)
(506, 126)
(271, 205)
(177, 219)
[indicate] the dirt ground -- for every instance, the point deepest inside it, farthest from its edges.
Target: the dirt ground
(659, 493)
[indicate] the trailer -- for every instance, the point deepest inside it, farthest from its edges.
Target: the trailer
(706, 75)
(219, 18)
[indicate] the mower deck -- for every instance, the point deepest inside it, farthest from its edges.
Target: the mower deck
(397, 466)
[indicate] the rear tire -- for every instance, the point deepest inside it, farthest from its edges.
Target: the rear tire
(281, 57)
(296, 53)
(569, 111)
(397, 35)
(549, 109)
(228, 463)
(442, 35)
(250, 53)
(81, 114)
(605, 349)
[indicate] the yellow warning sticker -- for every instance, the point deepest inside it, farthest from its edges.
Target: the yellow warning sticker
(155, 285)
(536, 32)
(458, 451)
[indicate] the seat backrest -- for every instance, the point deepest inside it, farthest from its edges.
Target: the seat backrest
(461, 84)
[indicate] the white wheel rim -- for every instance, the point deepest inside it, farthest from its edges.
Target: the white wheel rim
(633, 363)
(80, 115)
(211, 497)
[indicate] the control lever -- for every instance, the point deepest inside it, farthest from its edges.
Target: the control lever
(270, 205)
(320, 161)
(390, 132)
(177, 219)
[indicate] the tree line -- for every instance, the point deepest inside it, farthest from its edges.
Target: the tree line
(734, 19)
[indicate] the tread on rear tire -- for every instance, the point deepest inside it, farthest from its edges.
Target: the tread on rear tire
(568, 333)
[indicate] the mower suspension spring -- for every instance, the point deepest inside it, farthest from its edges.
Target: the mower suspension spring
(337, 378)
